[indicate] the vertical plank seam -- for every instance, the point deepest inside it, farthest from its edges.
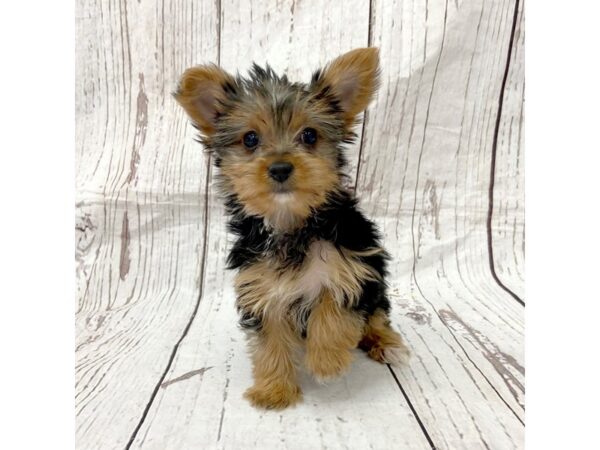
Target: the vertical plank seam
(189, 323)
(360, 151)
(493, 162)
(362, 143)
(366, 115)
(415, 204)
(202, 270)
(413, 235)
(414, 274)
(412, 408)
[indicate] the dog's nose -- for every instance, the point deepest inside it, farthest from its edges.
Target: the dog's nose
(280, 171)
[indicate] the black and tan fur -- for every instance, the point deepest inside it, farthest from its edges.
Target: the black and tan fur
(311, 269)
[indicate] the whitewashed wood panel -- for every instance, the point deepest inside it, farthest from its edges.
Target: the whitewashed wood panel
(130, 134)
(140, 205)
(141, 270)
(508, 219)
(424, 176)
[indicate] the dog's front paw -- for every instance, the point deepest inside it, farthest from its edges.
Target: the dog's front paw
(273, 396)
(328, 363)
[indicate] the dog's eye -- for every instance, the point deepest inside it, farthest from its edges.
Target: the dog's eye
(309, 136)
(250, 140)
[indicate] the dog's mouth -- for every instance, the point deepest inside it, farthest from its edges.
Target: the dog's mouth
(282, 188)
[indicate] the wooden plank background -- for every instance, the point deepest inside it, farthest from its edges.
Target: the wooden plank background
(160, 362)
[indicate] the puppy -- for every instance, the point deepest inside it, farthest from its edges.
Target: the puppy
(311, 268)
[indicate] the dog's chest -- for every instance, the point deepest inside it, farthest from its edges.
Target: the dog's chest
(305, 282)
(271, 287)
(318, 269)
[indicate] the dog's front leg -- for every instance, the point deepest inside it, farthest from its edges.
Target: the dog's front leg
(332, 333)
(273, 349)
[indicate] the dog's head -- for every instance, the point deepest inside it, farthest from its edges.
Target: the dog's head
(278, 144)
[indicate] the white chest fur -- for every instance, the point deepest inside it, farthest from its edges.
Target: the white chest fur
(319, 269)
(265, 287)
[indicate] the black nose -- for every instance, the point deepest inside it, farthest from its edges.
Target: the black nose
(280, 171)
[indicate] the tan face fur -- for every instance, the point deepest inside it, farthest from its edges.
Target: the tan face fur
(225, 108)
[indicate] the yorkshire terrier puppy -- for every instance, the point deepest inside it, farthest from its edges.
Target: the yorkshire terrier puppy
(311, 269)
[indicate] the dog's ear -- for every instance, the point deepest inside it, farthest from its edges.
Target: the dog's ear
(353, 79)
(201, 92)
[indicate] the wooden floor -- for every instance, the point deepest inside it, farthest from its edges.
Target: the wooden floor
(160, 362)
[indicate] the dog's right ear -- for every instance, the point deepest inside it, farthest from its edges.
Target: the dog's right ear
(201, 92)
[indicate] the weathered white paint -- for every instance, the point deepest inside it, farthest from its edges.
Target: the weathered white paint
(160, 359)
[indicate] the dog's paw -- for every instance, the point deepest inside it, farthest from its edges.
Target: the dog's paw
(395, 356)
(274, 396)
(327, 364)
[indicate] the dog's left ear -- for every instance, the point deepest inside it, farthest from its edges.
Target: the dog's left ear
(352, 78)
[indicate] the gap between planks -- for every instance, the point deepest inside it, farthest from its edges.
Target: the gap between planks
(366, 114)
(192, 316)
(493, 162)
(489, 220)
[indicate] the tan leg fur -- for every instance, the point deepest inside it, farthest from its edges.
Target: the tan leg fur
(332, 333)
(273, 351)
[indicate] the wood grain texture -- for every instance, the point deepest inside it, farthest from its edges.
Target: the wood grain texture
(428, 186)
(140, 221)
(508, 221)
(160, 360)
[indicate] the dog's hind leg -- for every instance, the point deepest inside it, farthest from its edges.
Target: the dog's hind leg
(381, 342)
